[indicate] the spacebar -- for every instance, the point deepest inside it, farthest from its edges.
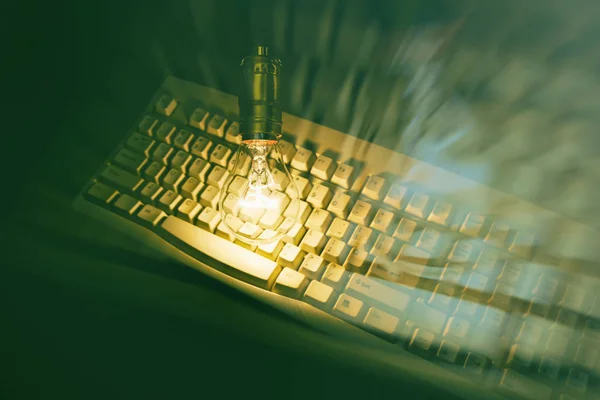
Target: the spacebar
(220, 254)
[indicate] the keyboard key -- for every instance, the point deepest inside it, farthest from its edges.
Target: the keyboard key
(183, 140)
(286, 151)
(272, 249)
(339, 205)
(198, 119)
(173, 179)
(319, 196)
(165, 105)
(418, 205)
(249, 231)
(374, 187)
(291, 256)
(520, 357)
(216, 126)
(335, 251)
(313, 242)
(191, 188)
(443, 297)
(361, 213)
(162, 153)
(280, 180)
(348, 308)
(201, 147)
(448, 351)
(232, 134)
(188, 210)
(150, 192)
(393, 273)
(165, 132)
(210, 197)
(323, 167)
(427, 317)
(303, 187)
(231, 204)
(382, 221)
(517, 384)
(476, 363)
(181, 160)
(312, 266)
(319, 220)
(294, 234)
(497, 235)
(148, 125)
(140, 143)
(586, 356)
(414, 259)
(473, 225)
(251, 214)
(440, 213)
(405, 230)
(381, 321)
(298, 209)
(429, 239)
(452, 274)
(217, 176)
(130, 161)
(231, 259)
(319, 295)
(168, 201)
(361, 237)
(238, 186)
(462, 252)
(477, 282)
(208, 220)
(422, 340)
(343, 176)
(303, 160)
(577, 380)
(385, 246)
(396, 196)
(549, 368)
(199, 169)
(522, 245)
(151, 216)
(220, 155)
(358, 261)
(339, 229)
(127, 204)
(486, 262)
(335, 276)
(374, 292)
(271, 219)
(228, 227)
(101, 193)
(121, 179)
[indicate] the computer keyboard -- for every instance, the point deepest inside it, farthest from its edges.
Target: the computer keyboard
(446, 279)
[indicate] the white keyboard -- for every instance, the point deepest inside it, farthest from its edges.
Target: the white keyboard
(452, 282)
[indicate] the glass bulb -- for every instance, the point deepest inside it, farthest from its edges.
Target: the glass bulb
(259, 200)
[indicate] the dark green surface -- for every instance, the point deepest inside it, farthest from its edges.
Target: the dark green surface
(83, 315)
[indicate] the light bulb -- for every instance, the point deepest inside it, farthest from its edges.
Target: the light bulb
(259, 201)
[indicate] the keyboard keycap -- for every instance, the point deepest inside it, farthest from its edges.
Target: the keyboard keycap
(441, 213)
(497, 235)
(173, 179)
(151, 216)
(231, 204)
(343, 176)
(335, 276)
(339, 205)
(348, 308)
(396, 196)
(577, 380)
(198, 119)
(291, 256)
(382, 221)
(191, 188)
(381, 321)
(312, 266)
(130, 161)
(427, 317)
(183, 140)
(162, 153)
(319, 220)
(319, 295)
(165, 132)
(140, 143)
(181, 160)
(361, 237)
(150, 192)
(168, 201)
(286, 150)
(220, 155)
(476, 363)
(272, 249)
(313, 242)
(448, 351)
(216, 126)
(319, 196)
(429, 239)
(293, 231)
(232, 134)
(303, 186)
(385, 246)
(201, 147)
(517, 384)
(323, 167)
(418, 205)
(271, 219)
(127, 204)
(280, 180)
(101, 193)
(374, 187)
(148, 125)
(208, 220)
(358, 261)
(473, 225)
(121, 179)
(228, 227)
(210, 197)
(373, 292)
(339, 229)
(405, 230)
(233, 260)
(188, 210)
(165, 105)
(199, 169)
(217, 176)
(335, 251)
(303, 160)
(298, 209)
(361, 213)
